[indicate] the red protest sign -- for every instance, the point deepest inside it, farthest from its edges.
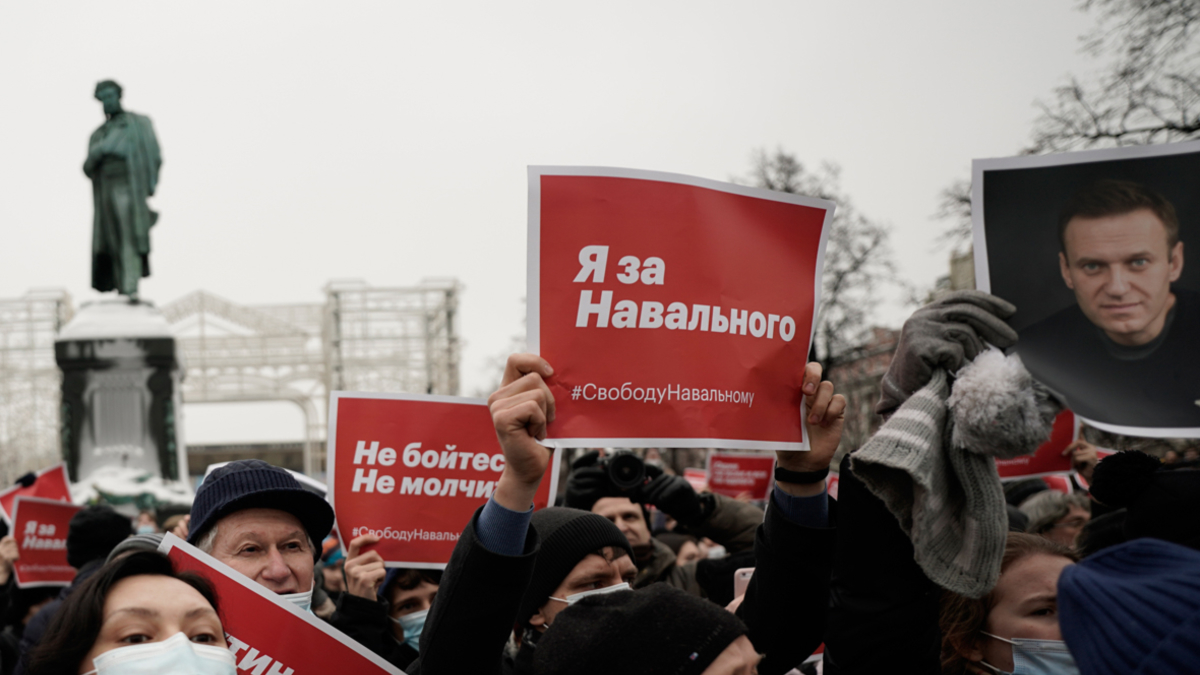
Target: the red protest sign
(267, 634)
(697, 478)
(1049, 458)
(40, 528)
(734, 474)
(49, 484)
(412, 469)
(676, 311)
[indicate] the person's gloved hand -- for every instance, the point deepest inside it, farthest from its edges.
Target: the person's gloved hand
(672, 495)
(945, 334)
(588, 482)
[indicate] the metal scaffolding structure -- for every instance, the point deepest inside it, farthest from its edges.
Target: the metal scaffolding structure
(30, 382)
(362, 338)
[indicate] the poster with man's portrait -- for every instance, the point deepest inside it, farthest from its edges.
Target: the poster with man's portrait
(1100, 253)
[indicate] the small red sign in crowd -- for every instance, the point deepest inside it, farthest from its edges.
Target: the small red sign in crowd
(412, 470)
(48, 483)
(40, 528)
(738, 474)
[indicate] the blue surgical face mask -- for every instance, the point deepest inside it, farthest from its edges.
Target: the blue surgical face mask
(146, 529)
(412, 624)
(1037, 657)
(176, 654)
(576, 597)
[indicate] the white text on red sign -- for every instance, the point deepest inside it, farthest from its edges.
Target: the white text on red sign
(593, 261)
(449, 459)
(39, 537)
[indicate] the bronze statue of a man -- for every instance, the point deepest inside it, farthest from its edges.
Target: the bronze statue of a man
(123, 162)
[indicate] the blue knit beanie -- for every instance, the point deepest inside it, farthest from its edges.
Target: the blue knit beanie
(1133, 609)
(254, 484)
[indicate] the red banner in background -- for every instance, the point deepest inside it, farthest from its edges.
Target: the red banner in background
(737, 474)
(413, 469)
(40, 528)
(697, 478)
(1048, 459)
(675, 311)
(268, 635)
(49, 484)
(831, 485)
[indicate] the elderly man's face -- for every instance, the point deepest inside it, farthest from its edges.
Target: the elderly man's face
(1121, 270)
(267, 545)
(111, 100)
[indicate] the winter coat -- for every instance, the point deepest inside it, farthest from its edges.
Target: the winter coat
(477, 604)
(367, 623)
(731, 524)
(883, 614)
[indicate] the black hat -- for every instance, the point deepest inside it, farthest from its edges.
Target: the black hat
(93, 532)
(567, 536)
(655, 630)
(254, 484)
(1016, 492)
(1157, 497)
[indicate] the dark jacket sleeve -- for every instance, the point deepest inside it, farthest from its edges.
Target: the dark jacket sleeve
(788, 597)
(731, 524)
(476, 607)
(34, 630)
(883, 614)
(366, 622)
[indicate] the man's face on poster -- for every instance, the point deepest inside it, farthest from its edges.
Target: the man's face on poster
(1121, 268)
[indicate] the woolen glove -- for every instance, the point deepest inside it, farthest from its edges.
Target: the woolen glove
(945, 334)
(588, 482)
(673, 495)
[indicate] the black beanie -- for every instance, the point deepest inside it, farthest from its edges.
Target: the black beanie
(658, 630)
(93, 532)
(254, 484)
(567, 536)
(1158, 498)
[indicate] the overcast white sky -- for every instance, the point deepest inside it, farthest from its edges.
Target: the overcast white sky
(388, 141)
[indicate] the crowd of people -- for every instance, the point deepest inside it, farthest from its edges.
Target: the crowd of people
(923, 564)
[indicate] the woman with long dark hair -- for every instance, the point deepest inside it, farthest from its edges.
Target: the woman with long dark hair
(136, 614)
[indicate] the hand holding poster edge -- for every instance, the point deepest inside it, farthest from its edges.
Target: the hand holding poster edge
(16, 571)
(534, 296)
(983, 276)
(549, 488)
(171, 542)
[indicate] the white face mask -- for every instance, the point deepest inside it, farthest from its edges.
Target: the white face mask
(576, 597)
(176, 654)
(1037, 657)
(301, 600)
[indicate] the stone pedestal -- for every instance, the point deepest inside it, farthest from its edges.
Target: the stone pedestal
(121, 399)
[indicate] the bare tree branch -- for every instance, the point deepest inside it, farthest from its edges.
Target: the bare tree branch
(858, 256)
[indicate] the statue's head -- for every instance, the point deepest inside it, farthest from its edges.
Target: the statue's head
(108, 92)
